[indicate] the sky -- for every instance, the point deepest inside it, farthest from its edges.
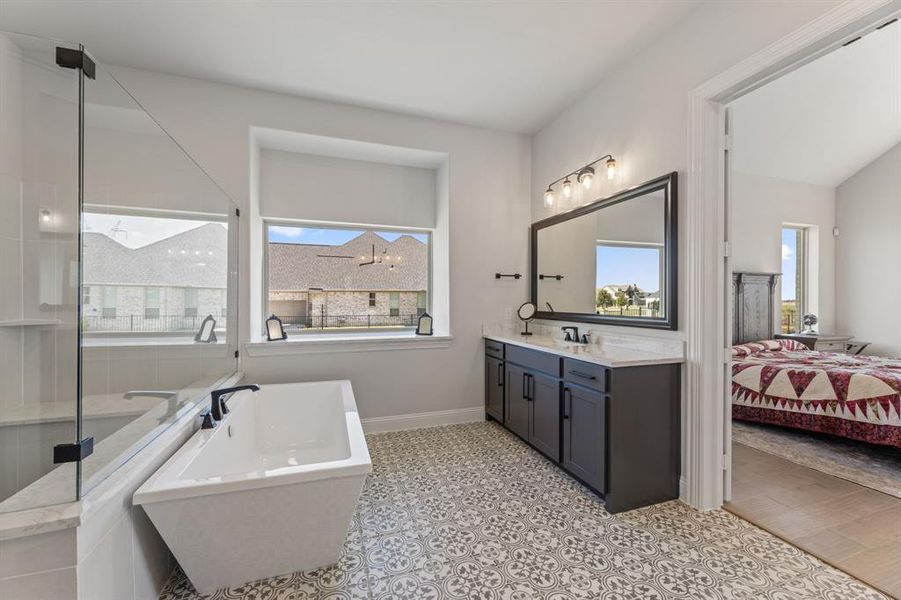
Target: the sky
(789, 256)
(136, 232)
(332, 237)
(625, 265)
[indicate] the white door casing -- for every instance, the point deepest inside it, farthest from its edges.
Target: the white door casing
(708, 287)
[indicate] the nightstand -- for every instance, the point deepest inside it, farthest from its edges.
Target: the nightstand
(826, 342)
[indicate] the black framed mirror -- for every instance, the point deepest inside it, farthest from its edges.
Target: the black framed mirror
(612, 261)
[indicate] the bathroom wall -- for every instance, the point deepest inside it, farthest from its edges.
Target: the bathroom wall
(868, 248)
(488, 186)
(639, 112)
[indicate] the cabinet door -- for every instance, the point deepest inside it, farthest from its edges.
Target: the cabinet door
(584, 435)
(516, 387)
(544, 428)
(494, 388)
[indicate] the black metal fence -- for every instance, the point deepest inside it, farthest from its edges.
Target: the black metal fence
(347, 321)
(142, 324)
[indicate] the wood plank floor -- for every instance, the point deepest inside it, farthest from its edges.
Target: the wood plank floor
(854, 528)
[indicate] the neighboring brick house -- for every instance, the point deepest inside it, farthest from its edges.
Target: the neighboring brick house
(309, 281)
(166, 285)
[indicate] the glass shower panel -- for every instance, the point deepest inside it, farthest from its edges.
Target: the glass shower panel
(159, 250)
(39, 110)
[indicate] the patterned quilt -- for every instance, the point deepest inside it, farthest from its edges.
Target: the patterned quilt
(782, 383)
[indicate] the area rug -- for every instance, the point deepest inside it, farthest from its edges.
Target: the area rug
(876, 467)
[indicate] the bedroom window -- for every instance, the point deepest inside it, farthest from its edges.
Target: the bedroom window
(319, 279)
(794, 278)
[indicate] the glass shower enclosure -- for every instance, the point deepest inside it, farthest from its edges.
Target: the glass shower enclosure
(116, 251)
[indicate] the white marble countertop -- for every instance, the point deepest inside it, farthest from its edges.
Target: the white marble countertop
(602, 351)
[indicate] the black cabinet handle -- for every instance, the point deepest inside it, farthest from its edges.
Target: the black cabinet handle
(567, 398)
(583, 375)
(525, 386)
(500, 374)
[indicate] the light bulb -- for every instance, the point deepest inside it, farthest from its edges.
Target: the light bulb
(567, 188)
(45, 215)
(611, 168)
(586, 177)
(549, 198)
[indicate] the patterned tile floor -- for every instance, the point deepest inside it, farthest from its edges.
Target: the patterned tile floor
(470, 512)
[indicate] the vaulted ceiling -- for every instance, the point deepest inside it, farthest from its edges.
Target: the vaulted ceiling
(510, 65)
(828, 119)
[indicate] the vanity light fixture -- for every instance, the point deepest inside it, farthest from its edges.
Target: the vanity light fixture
(567, 188)
(549, 198)
(584, 175)
(611, 168)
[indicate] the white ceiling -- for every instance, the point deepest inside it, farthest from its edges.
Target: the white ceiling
(508, 65)
(825, 121)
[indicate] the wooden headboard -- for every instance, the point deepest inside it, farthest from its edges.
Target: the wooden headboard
(754, 309)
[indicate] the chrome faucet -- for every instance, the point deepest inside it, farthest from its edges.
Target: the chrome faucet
(218, 408)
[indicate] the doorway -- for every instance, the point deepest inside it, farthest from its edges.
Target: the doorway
(812, 441)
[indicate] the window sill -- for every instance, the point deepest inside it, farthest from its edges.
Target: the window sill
(331, 343)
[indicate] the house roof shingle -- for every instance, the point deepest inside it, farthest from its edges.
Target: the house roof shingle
(195, 258)
(299, 267)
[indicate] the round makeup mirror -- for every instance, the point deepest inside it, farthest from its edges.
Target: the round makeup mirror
(526, 313)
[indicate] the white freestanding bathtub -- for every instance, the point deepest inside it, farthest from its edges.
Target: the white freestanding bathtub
(270, 490)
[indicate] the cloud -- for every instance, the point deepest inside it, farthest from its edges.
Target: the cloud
(288, 232)
(787, 252)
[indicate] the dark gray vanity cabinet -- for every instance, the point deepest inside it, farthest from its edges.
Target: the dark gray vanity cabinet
(533, 398)
(518, 412)
(585, 435)
(494, 388)
(494, 380)
(617, 430)
(544, 417)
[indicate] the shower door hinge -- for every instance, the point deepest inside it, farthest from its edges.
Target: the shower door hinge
(69, 58)
(237, 212)
(236, 354)
(65, 453)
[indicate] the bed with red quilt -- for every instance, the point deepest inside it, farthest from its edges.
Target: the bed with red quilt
(781, 382)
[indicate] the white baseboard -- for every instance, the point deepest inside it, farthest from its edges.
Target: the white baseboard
(426, 419)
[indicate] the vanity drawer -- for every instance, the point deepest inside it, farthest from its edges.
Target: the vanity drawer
(495, 349)
(533, 359)
(585, 374)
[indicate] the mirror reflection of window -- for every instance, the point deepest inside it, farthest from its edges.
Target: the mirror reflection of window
(629, 278)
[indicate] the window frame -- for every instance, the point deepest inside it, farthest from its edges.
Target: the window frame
(267, 222)
(802, 281)
(149, 290)
(186, 306)
(144, 338)
(107, 311)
